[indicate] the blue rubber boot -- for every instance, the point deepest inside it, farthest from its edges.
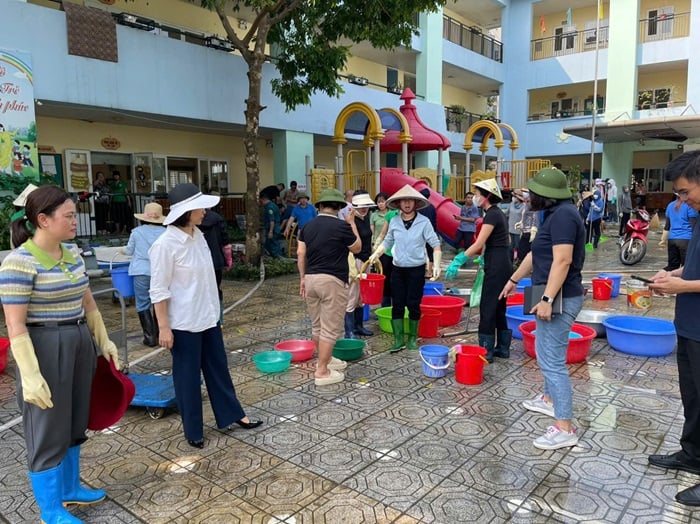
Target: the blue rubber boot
(48, 488)
(73, 492)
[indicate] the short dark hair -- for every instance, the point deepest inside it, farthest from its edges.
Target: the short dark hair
(383, 195)
(538, 202)
(469, 193)
(335, 206)
(293, 183)
(686, 166)
(183, 220)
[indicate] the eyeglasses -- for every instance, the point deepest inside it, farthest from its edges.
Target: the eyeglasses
(681, 193)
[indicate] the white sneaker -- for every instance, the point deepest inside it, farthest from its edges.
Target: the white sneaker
(540, 405)
(556, 438)
(337, 364)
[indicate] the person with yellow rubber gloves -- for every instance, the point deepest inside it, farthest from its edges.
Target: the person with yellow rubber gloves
(51, 319)
(408, 234)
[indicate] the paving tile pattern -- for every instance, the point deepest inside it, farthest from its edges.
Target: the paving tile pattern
(387, 445)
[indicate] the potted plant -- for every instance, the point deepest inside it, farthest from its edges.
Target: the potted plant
(455, 115)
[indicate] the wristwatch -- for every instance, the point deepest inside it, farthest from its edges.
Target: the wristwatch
(547, 299)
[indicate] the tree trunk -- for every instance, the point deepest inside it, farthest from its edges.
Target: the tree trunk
(252, 163)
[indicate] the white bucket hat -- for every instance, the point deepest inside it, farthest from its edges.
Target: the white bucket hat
(407, 192)
(186, 197)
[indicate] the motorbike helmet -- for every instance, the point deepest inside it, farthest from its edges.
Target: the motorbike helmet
(643, 214)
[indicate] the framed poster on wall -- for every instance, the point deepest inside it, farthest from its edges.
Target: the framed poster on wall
(52, 165)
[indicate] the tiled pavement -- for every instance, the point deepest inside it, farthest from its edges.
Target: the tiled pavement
(388, 444)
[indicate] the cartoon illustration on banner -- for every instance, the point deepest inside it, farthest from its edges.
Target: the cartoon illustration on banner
(18, 152)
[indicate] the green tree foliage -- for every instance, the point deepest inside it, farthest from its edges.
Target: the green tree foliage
(310, 42)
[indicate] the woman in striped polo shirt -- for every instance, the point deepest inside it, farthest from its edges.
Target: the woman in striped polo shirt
(51, 319)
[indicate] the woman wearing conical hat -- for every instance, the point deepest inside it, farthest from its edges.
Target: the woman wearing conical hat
(493, 238)
(408, 234)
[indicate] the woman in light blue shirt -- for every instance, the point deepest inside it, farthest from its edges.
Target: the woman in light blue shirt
(140, 241)
(408, 233)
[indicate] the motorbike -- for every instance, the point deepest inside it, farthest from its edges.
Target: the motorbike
(633, 244)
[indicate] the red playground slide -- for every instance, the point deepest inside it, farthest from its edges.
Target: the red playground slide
(392, 179)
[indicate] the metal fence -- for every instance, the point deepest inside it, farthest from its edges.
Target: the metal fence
(231, 207)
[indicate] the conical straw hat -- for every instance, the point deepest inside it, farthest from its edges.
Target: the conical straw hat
(407, 192)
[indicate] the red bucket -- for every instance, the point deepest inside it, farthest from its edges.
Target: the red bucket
(602, 288)
(372, 288)
(469, 367)
(429, 323)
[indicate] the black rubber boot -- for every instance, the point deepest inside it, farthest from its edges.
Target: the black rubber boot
(502, 349)
(488, 342)
(397, 328)
(156, 329)
(148, 326)
(349, 324)
(359, 330)
(412, 342)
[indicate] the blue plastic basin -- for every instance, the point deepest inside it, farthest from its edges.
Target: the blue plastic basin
(524, 282)
(515, 317)
(643, 336)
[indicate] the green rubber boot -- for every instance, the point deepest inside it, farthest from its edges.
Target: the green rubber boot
(412, 342)
(397, 328)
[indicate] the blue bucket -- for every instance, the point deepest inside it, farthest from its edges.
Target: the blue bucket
(515, 316)
(433, 288)
(616, 279)
(123, 282)
(524, 282)
(365, 313)
(434, 359)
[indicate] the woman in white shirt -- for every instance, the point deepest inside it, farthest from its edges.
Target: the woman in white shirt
(185, 297)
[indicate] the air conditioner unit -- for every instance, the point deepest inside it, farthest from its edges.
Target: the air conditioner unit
(137, 22)
(218, 43)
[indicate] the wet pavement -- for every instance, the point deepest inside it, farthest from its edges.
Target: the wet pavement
(388, 444)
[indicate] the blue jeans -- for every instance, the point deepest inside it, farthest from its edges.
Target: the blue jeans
(142, 286)
(551, 343)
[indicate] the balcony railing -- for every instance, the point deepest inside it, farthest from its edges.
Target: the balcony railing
(460, 121)
(564, 113)
(664, 26)
(567, 43)
(471, 38)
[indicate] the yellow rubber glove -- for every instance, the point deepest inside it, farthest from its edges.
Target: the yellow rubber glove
(437, 258)
(533, 233)
(99, 333)
(664, 238)
(377, 253)
(35, 390)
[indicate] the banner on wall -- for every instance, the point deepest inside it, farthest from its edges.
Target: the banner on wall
(18, 151)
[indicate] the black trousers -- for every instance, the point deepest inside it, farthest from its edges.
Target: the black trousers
(497, 271)
(407, 291)
(688, 358)
(677, 249)
(623, 222)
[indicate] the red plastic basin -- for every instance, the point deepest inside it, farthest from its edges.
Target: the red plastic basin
(450, 307)
(518, 299)
(301, 350)
(578, 348)
(4, 347)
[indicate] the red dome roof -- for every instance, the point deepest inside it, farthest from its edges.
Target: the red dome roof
(424, 139)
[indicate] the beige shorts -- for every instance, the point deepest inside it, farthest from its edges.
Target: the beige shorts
(326, 298)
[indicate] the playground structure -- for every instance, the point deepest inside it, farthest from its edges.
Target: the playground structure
(390, 131)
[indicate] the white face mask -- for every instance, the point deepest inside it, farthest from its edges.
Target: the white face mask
(477, 200)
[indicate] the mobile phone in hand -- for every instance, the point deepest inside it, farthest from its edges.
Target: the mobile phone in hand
(645, 280)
